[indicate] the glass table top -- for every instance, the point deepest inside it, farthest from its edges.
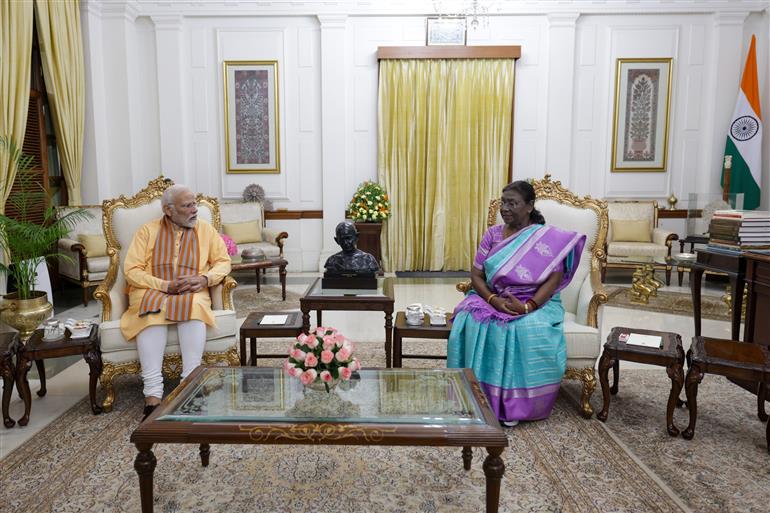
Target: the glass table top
(382, 396)
(384, 289)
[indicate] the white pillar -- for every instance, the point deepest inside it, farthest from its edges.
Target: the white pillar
(561, 87)
(334, 102)
(172, 114)
(723, 83)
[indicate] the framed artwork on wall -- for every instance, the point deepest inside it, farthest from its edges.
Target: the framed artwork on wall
(252, 135)
(445, 31)
(640, 123)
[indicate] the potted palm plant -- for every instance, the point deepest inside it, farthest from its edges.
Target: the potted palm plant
(25, 244)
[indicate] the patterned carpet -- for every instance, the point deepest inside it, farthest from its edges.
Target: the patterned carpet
(678, 303)
(84, 463)
(247, 300)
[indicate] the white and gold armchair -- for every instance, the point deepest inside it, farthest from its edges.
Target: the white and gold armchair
(121, 218)
(585, 294)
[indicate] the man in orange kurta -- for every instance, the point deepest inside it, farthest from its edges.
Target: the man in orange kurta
(169, 267)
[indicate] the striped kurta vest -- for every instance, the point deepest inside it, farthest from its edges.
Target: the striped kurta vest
(178, 306)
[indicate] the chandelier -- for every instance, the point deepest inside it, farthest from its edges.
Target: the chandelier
(475, 11)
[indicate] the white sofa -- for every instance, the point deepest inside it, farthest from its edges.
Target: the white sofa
(583, 296)
(239, 212)
(121, 219)
(626, 254)
(87, 271)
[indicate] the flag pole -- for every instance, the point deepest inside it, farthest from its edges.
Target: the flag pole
(726, 181)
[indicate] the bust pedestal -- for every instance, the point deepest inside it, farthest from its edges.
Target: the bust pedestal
(369, 239)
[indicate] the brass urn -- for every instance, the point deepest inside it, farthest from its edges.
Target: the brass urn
(25, 314)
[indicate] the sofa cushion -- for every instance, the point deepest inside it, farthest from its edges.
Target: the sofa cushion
(248, 231)
(631, 230)
(270, 250)
(94, 244)
(582, 341)
(112, 339)
(635, 249)
(98, 264)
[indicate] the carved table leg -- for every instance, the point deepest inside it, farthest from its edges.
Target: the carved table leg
(41, 374)
(205, 452)
(696, 276)
(761, 393)
(615, 377)
(94, 359)
(319, 321)
(144, 464)
(258, 285)
(305, 321)
(767, 436)
(22, 385)
(493, 470)
(242, 347)
(253, 349)
(467, 457)
(675, 371)
(605, 363)
(694, 377)
(388, 338)
(282, 275)
(9, 375)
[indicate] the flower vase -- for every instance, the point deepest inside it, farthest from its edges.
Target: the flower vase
(321, 386)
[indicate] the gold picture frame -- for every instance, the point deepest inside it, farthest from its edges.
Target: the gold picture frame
(445, 31)
(252, 131)
(641, 115)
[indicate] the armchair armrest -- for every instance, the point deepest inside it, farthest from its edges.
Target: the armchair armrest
(274, 237)
(663, 237)
(464, 286)
(74, 253)
(222, 294)
(591, 296)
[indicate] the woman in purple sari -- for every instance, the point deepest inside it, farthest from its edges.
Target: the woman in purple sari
(508, 329)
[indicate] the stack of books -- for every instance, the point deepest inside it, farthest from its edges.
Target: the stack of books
(739, 230)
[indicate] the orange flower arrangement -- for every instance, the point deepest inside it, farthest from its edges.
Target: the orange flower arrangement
(370, 203)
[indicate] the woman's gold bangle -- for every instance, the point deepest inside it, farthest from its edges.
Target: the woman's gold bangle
(489, 299)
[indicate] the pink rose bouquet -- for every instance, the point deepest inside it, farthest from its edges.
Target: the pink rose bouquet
(324, 355)
(232, 249)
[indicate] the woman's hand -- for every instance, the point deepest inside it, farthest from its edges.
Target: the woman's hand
(505, 305)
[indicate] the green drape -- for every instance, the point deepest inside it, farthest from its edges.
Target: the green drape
(444, 135)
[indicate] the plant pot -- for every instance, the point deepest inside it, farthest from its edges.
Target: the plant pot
(25, 314)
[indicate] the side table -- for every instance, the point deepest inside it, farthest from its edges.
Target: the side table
(8, 347)
(670, 356)
(251, 329)
(736, 360)
(425, 330)
(36, 349)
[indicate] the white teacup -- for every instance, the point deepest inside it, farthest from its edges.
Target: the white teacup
(414, 314)
(53, 330)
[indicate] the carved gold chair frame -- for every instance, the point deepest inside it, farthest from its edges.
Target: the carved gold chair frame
(172, 363)
(547, 189)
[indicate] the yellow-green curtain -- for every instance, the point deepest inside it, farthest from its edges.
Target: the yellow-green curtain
(61, 52)
(444, 135)
(15, 62)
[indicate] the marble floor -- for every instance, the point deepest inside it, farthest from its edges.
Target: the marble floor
(70, 384)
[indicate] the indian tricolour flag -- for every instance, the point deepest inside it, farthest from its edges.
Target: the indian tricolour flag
(744, 138)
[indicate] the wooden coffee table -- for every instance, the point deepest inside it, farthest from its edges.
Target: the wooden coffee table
(670, 356)
(8, 346)
(320, 299)
(216, 405)
(239, 264)
(251, 329)
(37, 350)
(735, 360)
(424, 330)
